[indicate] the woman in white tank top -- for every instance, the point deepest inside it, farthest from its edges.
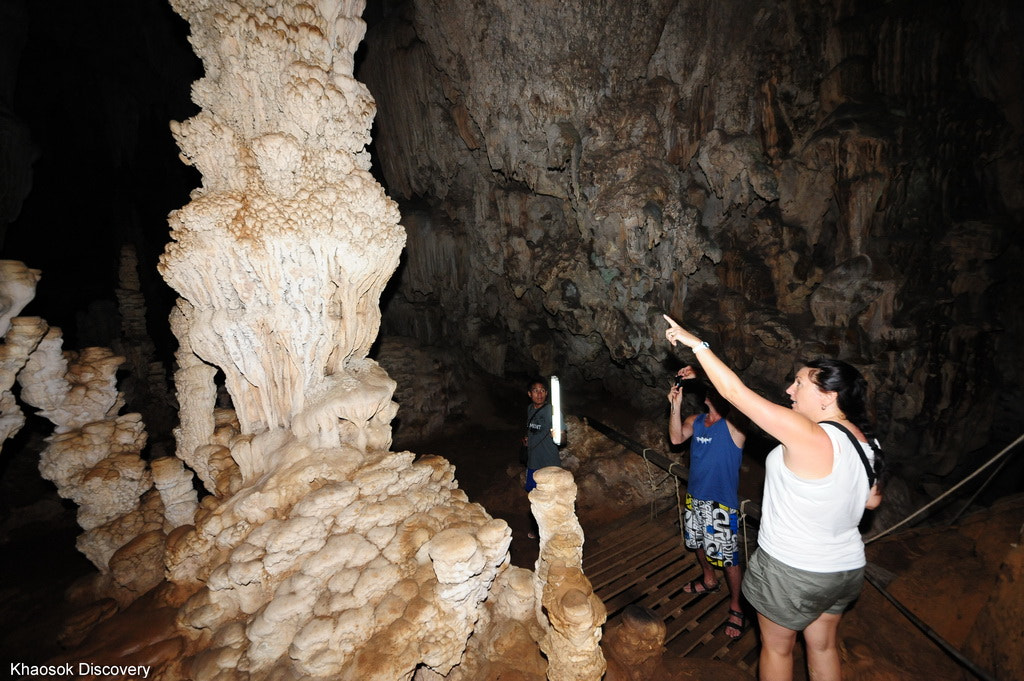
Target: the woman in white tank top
(810, 563)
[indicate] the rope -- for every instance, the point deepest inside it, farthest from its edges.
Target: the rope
(925, 629)
(931, 633)
(650, 479)
(654, 485)
(947, 492)
(679, 511)
(980, 490)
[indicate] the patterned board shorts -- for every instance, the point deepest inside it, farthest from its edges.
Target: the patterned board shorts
(713, 527)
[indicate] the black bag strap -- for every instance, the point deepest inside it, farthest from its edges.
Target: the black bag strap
(860, 450)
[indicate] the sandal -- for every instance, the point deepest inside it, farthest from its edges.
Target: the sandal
(739, 627)
(698, 586)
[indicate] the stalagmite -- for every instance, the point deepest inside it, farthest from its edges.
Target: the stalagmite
(174, 484)
(317, 551)
(93, 457)
(145, 386)
(21, 336)
(17, 288)
(635, 645)
(572, 613)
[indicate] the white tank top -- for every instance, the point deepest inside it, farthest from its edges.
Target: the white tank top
(812, 524)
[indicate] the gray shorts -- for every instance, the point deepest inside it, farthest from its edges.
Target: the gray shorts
(794, 598)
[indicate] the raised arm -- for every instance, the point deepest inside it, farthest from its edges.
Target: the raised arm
(679, 429)
(801, 436)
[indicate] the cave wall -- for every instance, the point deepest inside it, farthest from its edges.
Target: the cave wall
(790, 179)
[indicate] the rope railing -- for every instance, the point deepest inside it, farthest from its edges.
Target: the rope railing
(681, 472)
(947, 492)
(929, 632)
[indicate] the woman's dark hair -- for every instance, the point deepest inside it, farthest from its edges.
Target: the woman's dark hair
(833, 375)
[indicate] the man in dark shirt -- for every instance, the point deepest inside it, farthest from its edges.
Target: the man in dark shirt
(541, 448)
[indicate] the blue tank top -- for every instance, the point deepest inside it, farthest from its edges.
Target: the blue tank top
(714, 463)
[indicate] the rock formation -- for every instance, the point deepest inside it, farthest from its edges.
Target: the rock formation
(430, 386)
(315, 551)
(572, 611)
(842, 180)
(93, 456)
(145, 386)
(17, 286)
(634, 647)
(323, 554)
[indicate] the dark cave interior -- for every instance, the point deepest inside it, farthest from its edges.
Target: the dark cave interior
(87, 89)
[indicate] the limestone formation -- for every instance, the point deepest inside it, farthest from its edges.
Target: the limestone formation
(566, 603)
(790, 178)
(17, 288)
(174, 484)
(349, 580)
(430, 387)
(282, 254)
(317, 551)
(634, 647)
(94, 454)
(93, 457)
(145, 385)
(20, 341)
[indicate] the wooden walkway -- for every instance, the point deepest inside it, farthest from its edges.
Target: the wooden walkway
(643, 562)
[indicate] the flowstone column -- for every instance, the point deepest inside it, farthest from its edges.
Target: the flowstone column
(17, 288)
(283, 252)
(319, 553)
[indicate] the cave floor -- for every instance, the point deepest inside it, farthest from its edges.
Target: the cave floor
(634, 558)
(484, 449)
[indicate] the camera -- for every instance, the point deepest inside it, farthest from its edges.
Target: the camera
(680, 381)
